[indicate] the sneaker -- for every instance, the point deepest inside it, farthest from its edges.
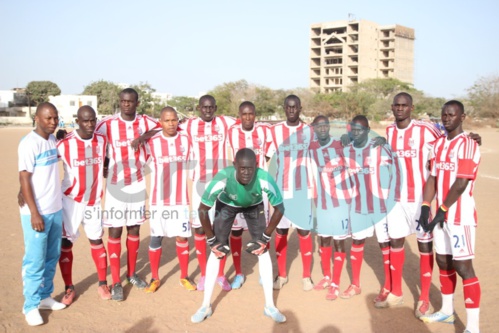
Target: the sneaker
(332, 293)
(390, 301)
(423, 308)
(33, 318)
(153, 286)
(117, 292)
(273, 312)
(438, 317)
(323, 284)
(351, 291)
(201, 314)
(104, 292)
(200, 285)
(238, 281)
(224, 283)
(50, 304)
(383, 294)
(69, 296)
(307, 284)
(280, 281)
(136, 281)
(187, 284)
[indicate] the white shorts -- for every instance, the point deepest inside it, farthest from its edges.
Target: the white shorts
(333, 222)
(402, 222)
(76, 213)
(198, 189)
(125, 205)
(455, 240)
(297, 212)
(363, 226)
(170, 221)
(240, 221)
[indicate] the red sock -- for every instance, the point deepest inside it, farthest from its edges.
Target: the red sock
(339, 259)
(221, 267)
(100, 259)
(200, 244)
(425, 273)
(397, 258)
(386, 265)
(183, 258)
(326, 253)
(356, 257)
(154, 259)
(281, 251)
(66, 265)
(447, 281)
(236, 246)
(306, 254)
(132, 246)
(114, 249)
(472, 293)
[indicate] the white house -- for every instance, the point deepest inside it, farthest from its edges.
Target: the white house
(68, 105)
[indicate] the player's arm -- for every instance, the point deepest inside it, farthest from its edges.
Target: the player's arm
(204, 218)
(275, 219)
(141, 140)
(27, 194)
(476, 137)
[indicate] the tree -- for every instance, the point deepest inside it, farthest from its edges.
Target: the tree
(107, 95)
(148, 104)
(39, 91)
(484, 97)
(230, 95)
(183, 104)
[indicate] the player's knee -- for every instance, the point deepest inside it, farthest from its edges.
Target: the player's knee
(325, 241)
(155, 242)
(464, 269)
(444, 262)
(95, 241)
(302, 232)
(133, 230)
(397, 243)
(281, 231)
(237, 233)
(425, 247)
(66, 243)
(199, 231)
(115, 232)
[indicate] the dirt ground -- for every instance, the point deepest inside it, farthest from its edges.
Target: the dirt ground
(170, 308)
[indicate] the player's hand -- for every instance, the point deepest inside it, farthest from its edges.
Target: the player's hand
(423, 217)
(105, 172)
(439, 219)
(476, 137)
(259, 246)
(137, 143)
(219, 250)
(61, 134)
(37, 222)
(20, 199)
(379, 141)
(345, 140)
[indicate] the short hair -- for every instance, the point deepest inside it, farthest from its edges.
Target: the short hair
(245, 153)
(247, 104)
(403, 94)
(207, 97)
(130, 91)
(292, 97)
(44, 105)
(361, 118)
(454, 102)
(85, 108)
(319, 117)
(168, 109)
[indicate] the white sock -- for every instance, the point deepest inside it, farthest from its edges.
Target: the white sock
(472, 320)
(265, 268)
(447, 304)
(212, 267)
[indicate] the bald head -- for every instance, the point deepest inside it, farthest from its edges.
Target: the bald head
(44, 106)
(84, 110)
(167, 109)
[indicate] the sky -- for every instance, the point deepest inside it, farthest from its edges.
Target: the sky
(189, 47)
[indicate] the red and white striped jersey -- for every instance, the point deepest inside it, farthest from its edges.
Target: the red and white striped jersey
(170, 159)
(208, 143)
(411, 147)
(258, 139)
(125, 163)
(451, 159)
(83, 162)
(370, 170)
(290, 145)
(332, 186)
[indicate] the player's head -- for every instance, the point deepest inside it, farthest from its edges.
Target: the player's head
(168, 119)
(207, 107)
(321, 128)
(402, 106)
(245, 165)
(129, 100)
(359, 129)
(453, 115)
(86, 119)
(46, 118)
(292, 108)
(247, 114)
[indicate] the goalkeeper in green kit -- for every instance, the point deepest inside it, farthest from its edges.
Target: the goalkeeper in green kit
(239, 189)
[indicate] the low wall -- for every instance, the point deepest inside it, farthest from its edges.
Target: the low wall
(15, 121)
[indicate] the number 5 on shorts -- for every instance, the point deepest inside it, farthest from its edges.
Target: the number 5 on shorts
(185, 226)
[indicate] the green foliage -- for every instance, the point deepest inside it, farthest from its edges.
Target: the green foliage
(183, 104)
(107, 95)
(148, 103)
(484, 97)
(39, 91)
(230, 95)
